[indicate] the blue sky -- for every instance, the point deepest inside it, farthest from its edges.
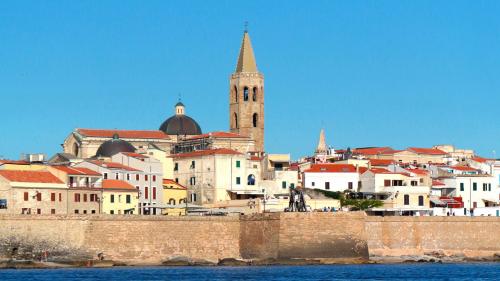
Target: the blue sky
(372, 73)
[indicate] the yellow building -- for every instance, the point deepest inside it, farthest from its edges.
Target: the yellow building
(119, 197)
(174, 196)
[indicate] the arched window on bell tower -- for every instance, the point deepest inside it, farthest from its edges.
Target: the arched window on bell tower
(235, 116)
(254, 96)
(245, 93)
(235, 94)
(255, 119)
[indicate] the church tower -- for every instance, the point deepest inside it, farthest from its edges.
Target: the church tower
(246, 96)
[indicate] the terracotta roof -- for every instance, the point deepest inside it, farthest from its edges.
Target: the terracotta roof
(371, 150)
(385, 171)
(77, 171)
(381, 162)
(392, 151)
(218, 151)
(17, 162)
(124, 134)
(334, 168)
(113, 165)
(437, 183)
(418, 171)
(29, 176)
(463, 168)
(117, 184)
(255, 158)
(481, 159)
(170, 181)
(135, 155)
(217, 135)
(430, 151)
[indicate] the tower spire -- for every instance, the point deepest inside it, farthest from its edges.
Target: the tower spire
(246, 59)
(322, 148)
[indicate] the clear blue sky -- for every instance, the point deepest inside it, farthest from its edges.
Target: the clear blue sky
(372, 73)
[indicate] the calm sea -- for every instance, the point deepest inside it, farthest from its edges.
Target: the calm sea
(483, 271)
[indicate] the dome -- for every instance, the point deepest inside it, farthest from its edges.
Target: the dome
(180, 125)
(114, 146)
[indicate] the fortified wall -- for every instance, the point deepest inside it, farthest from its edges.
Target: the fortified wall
(153, 240)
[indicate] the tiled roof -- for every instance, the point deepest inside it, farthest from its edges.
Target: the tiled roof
(17, 162)
(437, 183)
(371, 150)
(29, 176)
(113, 165)
(124, 134)
(218, 151)
(429, 151)
(480, 159)
(217, 135)
(463, 168)
(385, 171)
(76, 171)
(117, 184)
(135, 155)
(170, 181)
(334, 168)
(418, 171)
(381, 162)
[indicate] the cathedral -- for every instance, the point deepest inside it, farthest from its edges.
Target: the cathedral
(181, 133)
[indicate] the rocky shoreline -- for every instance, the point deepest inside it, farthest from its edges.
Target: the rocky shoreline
(185, 261)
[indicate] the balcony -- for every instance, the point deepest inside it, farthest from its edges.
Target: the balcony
(85, 185)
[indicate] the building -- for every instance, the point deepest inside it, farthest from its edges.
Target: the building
(401, 193)
(175, 195)
(119, 197)
(246, 96)
(32, 192)
(180, 125)
(333, 177)
(215, 140)
(476, 190)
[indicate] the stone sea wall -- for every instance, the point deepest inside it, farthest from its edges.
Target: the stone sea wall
(277, 236)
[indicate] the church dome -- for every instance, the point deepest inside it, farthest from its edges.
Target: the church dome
(180, 124)
(114, 146)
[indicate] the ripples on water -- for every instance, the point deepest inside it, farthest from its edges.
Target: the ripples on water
(484, 271)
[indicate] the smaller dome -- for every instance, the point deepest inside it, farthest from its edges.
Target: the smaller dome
(114, 146)
(179, 104)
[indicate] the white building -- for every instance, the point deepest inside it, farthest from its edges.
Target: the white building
(333, 177)
(477, 191)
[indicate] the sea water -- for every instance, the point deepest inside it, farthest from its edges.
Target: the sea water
(474, 271)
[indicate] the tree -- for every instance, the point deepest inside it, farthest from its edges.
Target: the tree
(362, 204)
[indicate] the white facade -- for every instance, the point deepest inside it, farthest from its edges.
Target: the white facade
(477, 191)
(331, 181)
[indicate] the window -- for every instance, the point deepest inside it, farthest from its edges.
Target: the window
(192, 181)
(238, 164)
(145, 177)
(77, 212)
(420, 200)
(235, 118)
(112, 212)
(177, 180)
(193, 197)
(474, 186)
(154, 193)
(112, 198)
(116, 176)
(489, 186)
(193, 164)
(349, 185)
(235, 94)
(462, 188)
(26, 196)
(105, 176)
(93, 212)
(171, 201)
(387, 182)
(397, 183)
(176, 166)
(255, 118)
(128, 177)
(77, 197)
(60, 197)
(84, 197)
(85, 212)
(292, 185)
(38, 196)
(283, 184)
(414, 183)
(53, 197)
(238, 180)
(327, 185)
(359, 184)
(137, 177)
(128, 199)
(52, 211)
(407, 199)
(146, 192)
(313, 183)
(245, 94)
(254, 95)
(25, 211)
(251, 179)
(485, 187)
(38, 211)
(154, 177)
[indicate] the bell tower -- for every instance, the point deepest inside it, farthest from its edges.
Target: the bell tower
(246, 96)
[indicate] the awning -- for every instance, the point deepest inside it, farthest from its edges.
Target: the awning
(438, 202)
